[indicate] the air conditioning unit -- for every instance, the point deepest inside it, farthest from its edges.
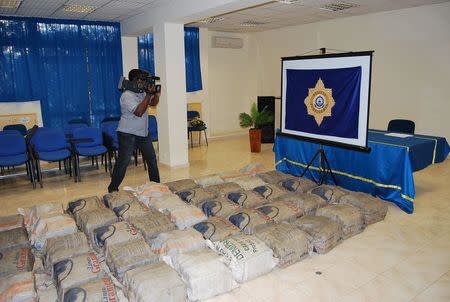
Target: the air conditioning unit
(227, 42)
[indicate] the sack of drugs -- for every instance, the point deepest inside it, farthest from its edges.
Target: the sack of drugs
(330, 193)
(12, 239)
(196, 196)
(289, 244)
(281, 211)
(91, 220)
(17, 288)
(11, 222)
(84, 205)
(116, 233)
(247, 256)
(208, 180)
(164, 202)
(128, 210)
(117, 199)
(274, 177)
(98, 290)
(247, 199)
(76, 271)
(307, 202)
(152, 224)
(248, 182)
(14, 261)
(372, 208)
(65, 247)
(32, 214)
(325, 233)
(128, 255)
(154, 282)
(349, 217)
(216, 228)
(224, 189)
(147, 191)
(298, 184)
(220, 206)
(177, 241)
(50, 227)
(249, 220)
(230, 175)
(252, 169)
(204, 273)
(181, 185)
(45, 287)
(270, 191)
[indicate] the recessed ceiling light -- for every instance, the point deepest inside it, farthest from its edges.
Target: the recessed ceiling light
(79, 8)
(287, 1)
(10, 3)
(251, 23)
(211, 20)
(338, 6)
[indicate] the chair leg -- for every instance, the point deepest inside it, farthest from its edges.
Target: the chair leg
(92, 159)
(106, 164)
(206, 138)
(69, 162)
(96, 162)
(38, 163)
(78, 168)
(75, 172)
(59, 165)
(33, 180)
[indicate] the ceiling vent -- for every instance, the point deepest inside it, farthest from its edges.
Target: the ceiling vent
(10, 3)
(251, 23)
(287, 1)
(211, 20)
(338, 6)
(85, 9)
(227, 42)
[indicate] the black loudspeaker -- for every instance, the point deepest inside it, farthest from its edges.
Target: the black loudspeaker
(268, 130)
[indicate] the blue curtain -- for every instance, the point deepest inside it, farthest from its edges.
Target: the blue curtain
(146, 58)
(71, 66)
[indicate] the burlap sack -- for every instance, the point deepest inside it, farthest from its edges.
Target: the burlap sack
(220, 206)
(164, 282)
(65, 247)
(17, 288)
(152, 224)
(129, 210)
(208, 180)
(289, 244)
(99, 290)
(252, 169)
(329, 193)
(77, 271)
(249, 220)
(281, 211)
(273, 177)
(117, 233)
(247, 199)
(204, 274)
(91, 220)
(164, 202)
(224, 189)
(31, 215)
(307, 202)
(247, 256)
(298, 184)
(84, 205)
(177, 241)
(195, 196)
(14, 261)
(349, 217)
(372, 208)
(270, 191)
(129, 255)
(117, 199)
(216, 228)
(12, 239)
(325, 233)
(147, 191)
(45, 287)
(181, 185)
(248, 182)
(11, 222)
(50, 227)
(228, 176)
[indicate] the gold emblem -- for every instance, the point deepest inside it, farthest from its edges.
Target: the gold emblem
(319, 101)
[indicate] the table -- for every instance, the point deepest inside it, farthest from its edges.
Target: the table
(386, 172)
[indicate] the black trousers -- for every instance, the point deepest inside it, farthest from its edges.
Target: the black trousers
(127, 144)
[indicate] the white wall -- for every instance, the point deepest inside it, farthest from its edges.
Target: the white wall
(411, 67)
(129, 54)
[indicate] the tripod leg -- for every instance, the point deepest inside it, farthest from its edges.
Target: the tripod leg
(328, 168)
(307, 167)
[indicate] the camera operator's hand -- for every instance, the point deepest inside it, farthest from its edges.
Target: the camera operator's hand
(154, 94)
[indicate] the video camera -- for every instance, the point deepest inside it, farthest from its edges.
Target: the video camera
(141, 84)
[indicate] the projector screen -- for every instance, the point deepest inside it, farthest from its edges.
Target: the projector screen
(325, 98)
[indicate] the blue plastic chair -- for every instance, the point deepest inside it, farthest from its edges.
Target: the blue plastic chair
(19, 127)
(50, 145)
(87, 141)
(13, 152)
(110, 139)
(153, 128)
(192, 114)
(402, 126)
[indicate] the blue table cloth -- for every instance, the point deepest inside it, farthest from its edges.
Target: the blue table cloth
(386, 172)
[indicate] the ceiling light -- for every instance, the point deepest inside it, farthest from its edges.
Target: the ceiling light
(251, 23)
(211, 20)
(79, 8)
(10, 3)
(338, 6)
(287, 1)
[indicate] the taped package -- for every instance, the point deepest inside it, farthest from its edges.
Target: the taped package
(152, 224)
(178, 241)
(216, 228)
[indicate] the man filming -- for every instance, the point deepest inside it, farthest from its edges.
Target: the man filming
(133, 128)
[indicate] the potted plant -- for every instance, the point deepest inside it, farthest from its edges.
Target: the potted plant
(255, 120)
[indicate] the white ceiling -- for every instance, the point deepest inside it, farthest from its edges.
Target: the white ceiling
(272, 14)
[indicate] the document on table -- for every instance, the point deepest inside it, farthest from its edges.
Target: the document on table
(401, 135)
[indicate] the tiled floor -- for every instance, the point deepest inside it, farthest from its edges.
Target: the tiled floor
(404, 258)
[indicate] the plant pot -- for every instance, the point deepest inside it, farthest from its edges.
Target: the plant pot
(255, 140)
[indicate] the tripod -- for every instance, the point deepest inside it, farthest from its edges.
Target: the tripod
(324, 168)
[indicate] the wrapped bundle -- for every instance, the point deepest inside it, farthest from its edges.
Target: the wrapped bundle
(149, 190)
(117, 233)
(181, 185)
(177, 241)
(252, 169)
(15, 261)
(152, 224)
(372, 208)
(216, 228)
(117, 199)
(247, 199)
(98, 290)
(281, 211)
(11, 222)
(13, 239)
(91, 220)
(349, 217)
(249, 220)
(224, 189)
(270, 191)
(307, 202)
(84, 205)
(220, 206)
(196, 196)
(135, 209)
(208, 180)
(274, 177)
(248, 182)
(17, 288)
(298, 184)
(65, 247)
(33, 214)
(51, 227)
(329, 193)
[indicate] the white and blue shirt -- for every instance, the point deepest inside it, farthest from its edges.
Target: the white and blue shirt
(129, 122)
